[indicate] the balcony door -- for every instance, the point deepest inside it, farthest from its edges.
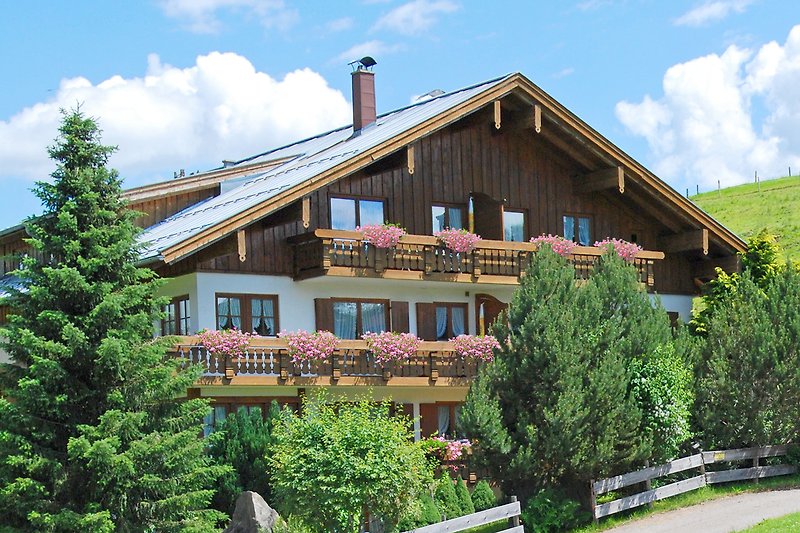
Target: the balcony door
(487, 216)
(487, 309)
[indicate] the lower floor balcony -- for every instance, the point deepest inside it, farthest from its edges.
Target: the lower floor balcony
(267, 362)
(325, 252)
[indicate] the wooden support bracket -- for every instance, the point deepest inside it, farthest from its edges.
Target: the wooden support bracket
(600, 180)
(241, 245)
(410, 158)
(306, 211)
(497, 114)
(685, 242)
(537, 118)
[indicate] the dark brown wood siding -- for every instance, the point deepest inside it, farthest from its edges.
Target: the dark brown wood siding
(158, 209)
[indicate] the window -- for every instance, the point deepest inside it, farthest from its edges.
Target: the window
(578, 229)
(254, 313)
(214, 418)
(513, 226)
(445, 216)
(176, 317)
(451, 320)
(353, 318)
(347, 213)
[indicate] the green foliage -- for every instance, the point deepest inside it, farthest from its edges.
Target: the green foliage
(464, 501)
(339, 459)
(747, 383)
(243, 440)
(663, 387)
(551, 510)
(482, 496)
(91, 437)
(793, 454)
(444, 494)
(420, 513)
(557, 407)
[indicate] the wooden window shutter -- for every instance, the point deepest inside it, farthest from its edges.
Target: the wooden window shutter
(429, 419)
(399, 317)
(426, 321)
(488, 216)
(323, 308)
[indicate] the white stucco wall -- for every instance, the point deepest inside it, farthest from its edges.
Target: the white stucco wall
(679, 303)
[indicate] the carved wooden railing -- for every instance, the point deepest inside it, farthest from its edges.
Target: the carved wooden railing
(269, 357)
(337, 252)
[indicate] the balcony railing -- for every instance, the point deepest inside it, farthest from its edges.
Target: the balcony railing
(267, 362)
(345, 253)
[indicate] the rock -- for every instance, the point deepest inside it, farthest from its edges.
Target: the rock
(252, 515)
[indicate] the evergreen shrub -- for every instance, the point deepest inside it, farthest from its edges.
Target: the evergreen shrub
(483, 496)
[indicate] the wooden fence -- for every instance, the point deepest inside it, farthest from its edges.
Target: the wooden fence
(703, 478)
(509, 511)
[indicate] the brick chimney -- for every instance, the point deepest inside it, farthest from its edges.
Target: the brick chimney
(364, 110)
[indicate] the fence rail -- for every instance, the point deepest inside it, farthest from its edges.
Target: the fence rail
(699, 461)
(509, 511)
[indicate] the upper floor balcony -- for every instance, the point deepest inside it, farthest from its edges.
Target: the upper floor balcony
(267, 362)
(422, 257)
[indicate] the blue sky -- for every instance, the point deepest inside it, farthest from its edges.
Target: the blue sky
(696, 90)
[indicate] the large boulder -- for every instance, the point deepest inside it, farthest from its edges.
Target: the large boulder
(252, 515)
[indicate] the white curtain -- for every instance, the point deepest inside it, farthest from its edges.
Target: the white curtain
(455, 218)
(344, 320)
(584, 235)
(444, 419)
(373, 317)
(263, 322)
(458, 321)
(236, 313)
(569, 228)
(441, 323)
(222, 314)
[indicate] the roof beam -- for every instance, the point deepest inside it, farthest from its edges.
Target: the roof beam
(685, 242)
(601, 180)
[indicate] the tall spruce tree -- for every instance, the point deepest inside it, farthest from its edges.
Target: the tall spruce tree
(91, 435)
(557, 406)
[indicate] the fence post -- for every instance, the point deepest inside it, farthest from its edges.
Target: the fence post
(648, 483)
(593, 500)
(755, 463)
(514, 520)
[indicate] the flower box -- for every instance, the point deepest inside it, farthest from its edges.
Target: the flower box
(458, 240)
(626, 250)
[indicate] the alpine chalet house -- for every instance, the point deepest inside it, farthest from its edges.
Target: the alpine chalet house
(269, 243)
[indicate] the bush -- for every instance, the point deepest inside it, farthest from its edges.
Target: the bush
(446, 498)
(464, 501)
(421, 513)
(550, 511)
(483, 496)
(242, 441)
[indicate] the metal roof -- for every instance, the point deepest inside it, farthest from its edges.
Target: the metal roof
(9, 283)
(311, 157)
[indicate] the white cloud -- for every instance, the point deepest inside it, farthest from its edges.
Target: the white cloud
(193, 118)
(704, 128)
(374, 48)
(710, 11)
(563, 73)
(200, 16)
(414, 17)
(341, 24)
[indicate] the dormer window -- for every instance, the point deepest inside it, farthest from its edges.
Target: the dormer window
(578, 229)
(348, 213)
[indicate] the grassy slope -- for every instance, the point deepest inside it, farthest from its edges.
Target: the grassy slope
(787, 524)
(745, 210)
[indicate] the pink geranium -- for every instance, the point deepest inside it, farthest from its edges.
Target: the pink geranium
(624, 249)
(231, 342)
(458, 240)
(382, 235)
(480, 348)
(388, 346)
(305, 346)
(559, 245)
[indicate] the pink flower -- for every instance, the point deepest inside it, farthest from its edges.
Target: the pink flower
(559, 244)
(388, 346)
(480, 348)
(458, 240)
(305, 346)
(230, 342)
(382, 235)
(624, 249)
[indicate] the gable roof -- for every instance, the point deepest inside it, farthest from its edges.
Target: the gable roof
(286, 174)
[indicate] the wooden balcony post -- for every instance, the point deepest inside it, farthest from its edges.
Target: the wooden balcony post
(476, 262)
(430, 259)
(380, 258)
(229, 368)
(326, 253)
(387, 373)
(434, 363)
(284, 365)
(336, 367)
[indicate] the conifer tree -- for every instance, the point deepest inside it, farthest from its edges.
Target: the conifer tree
(91, 435)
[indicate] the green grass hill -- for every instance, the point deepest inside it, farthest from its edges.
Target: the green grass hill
(746, 211)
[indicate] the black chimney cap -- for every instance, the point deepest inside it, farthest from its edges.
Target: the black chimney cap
(365, 62)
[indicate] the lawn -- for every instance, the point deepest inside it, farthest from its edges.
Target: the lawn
(785, 524)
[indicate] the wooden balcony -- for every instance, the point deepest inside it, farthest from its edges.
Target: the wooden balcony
(267, 362)
(421, 257)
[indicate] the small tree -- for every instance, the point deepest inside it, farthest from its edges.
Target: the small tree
(464, 501)
(243, 441)
(446, 498)
(482, 496)
(91, 436)
(339, 460)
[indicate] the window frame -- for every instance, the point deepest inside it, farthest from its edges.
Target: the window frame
(246, 309)
(447, 206)
(359, 323)
(357, 199)
(177, 319)
(524, 213)
(449, 334)
(576, 227)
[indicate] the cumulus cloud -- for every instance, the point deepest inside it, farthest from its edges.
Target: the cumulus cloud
(193, 118)
(375, 48)
(414, 17)
(711, 11)
(704, 128)
(200, 16)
